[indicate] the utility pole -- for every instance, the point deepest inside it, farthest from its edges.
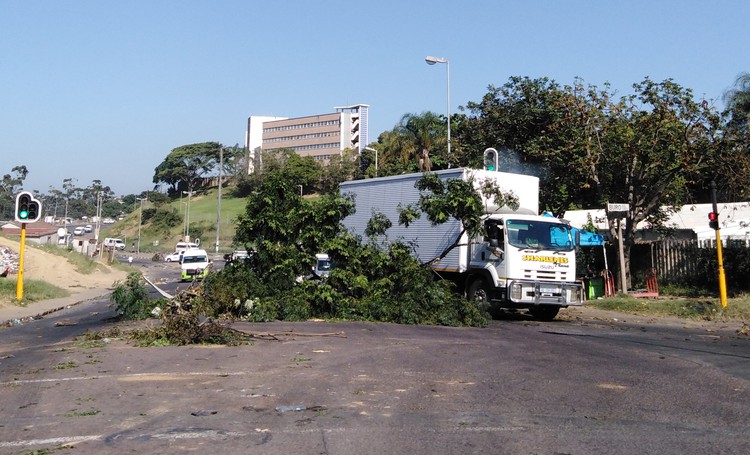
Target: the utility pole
(218, 206)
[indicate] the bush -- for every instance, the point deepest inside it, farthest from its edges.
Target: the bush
(131, 298)
(367, 284)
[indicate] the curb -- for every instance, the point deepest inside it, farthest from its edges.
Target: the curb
(16, 315)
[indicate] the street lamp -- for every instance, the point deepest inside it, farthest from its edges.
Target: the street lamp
(187, 215)
(140, 221)
(431, 61)
(376, 158)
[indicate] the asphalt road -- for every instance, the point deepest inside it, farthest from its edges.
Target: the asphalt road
(579, 385)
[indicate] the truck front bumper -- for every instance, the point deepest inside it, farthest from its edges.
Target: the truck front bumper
(532, 293)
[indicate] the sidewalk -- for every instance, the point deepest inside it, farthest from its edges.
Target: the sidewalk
(11, 314)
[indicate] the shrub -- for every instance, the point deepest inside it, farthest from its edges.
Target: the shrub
(131, 298)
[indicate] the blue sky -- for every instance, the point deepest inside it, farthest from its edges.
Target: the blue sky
(105, 89)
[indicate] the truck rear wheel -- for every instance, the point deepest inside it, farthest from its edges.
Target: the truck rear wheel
(479, 293)
(544, 312)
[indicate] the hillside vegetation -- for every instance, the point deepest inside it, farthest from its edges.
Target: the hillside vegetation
(164, 225)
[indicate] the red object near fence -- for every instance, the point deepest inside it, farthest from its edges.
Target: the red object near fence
(652, 286)
(609, 283)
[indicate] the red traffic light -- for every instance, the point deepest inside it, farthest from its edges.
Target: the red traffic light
(713, 220)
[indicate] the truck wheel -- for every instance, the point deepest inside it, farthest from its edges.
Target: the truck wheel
(479, 292)
(544, 312)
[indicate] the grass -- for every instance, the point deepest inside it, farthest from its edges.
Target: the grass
(737, 309)
(203, 208)
(33, 291)
(83, 264)
(90, 412)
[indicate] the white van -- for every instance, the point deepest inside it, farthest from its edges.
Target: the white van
(182, 246)
(194, 264)
(117, 244)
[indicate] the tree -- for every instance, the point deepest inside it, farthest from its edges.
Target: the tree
(340, 168)
(286, 230)
(9, 187)
(737, 101)
(651, 149)
(399, 148)
(187, 165)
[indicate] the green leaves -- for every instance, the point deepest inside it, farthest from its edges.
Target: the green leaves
(188, 164)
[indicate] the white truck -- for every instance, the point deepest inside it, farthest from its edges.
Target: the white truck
(524, 260)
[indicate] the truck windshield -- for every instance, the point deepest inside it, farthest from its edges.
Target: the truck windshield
(539, 235)
(192, 259)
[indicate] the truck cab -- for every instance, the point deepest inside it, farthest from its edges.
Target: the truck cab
(527, 261)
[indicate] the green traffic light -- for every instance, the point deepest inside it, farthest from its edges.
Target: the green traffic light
(23, 214)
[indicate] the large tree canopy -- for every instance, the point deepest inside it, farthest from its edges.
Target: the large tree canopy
(653, 148)
(187, 165)
(10, 185)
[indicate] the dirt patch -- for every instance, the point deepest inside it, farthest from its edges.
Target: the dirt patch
(43, 266)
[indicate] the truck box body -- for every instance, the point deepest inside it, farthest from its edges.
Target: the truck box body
(383, 195)
(501, 268)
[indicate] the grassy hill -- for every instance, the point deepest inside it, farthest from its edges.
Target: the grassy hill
(156, 237)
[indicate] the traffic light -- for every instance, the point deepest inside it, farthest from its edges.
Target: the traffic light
(713, 220)
(28, 209)
(490, 159)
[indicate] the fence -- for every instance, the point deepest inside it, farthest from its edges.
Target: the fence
(693, 262)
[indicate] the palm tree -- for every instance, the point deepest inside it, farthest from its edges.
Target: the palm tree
(417, 132)
(737, 101)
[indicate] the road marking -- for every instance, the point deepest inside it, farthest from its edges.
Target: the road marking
(124, 377)
(171, 436)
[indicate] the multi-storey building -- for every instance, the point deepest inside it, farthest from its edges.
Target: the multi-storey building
(320, 136)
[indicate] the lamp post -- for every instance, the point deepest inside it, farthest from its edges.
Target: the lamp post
(431, 61)
(376, 158)
(187, 216)
(140, 221)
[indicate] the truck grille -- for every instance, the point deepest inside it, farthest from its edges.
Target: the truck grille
(547, 275)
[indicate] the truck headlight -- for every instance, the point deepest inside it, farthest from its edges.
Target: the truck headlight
(515, 291)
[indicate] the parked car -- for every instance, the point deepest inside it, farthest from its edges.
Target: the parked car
(174, 257)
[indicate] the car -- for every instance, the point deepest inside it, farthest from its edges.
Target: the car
(78, 231)
(174, 257)
(88, 228)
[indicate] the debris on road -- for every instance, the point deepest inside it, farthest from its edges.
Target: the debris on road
(65, 323)
(292, 408)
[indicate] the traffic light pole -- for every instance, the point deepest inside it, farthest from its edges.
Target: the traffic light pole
(19, 283)
(722, 277)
